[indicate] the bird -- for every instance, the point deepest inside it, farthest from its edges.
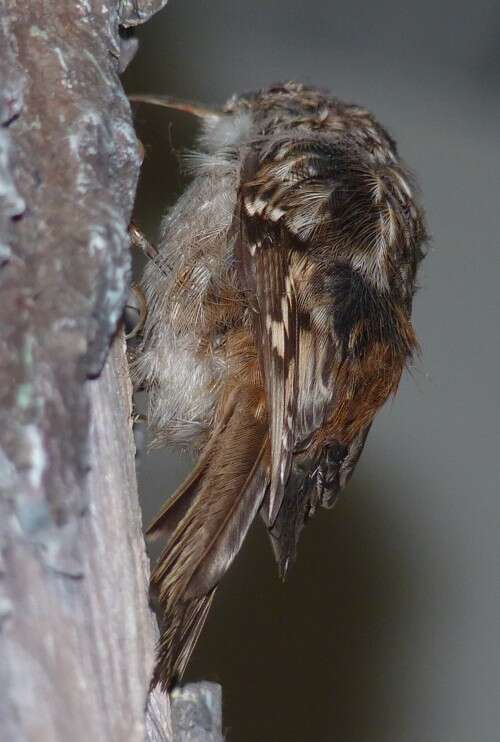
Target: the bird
(279, 300)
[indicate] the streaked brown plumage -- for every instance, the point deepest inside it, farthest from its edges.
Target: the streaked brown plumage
(280, 327)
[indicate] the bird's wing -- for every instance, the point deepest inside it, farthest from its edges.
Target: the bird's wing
(265, 259)
(331, 343)
(296, 362)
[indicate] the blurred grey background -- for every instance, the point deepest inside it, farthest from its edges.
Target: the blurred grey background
(387, 629)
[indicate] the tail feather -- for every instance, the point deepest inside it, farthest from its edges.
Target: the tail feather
(299, 503)
(178, 504)
(315, 479)
(214, 510)
(182, 629)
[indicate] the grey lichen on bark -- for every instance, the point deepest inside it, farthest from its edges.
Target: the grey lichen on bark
(76, 634)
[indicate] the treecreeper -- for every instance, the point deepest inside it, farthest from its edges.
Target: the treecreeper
(278, 323)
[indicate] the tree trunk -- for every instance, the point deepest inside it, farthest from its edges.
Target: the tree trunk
(76, 633)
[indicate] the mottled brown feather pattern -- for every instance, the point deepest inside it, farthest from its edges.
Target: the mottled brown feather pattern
(282, 328)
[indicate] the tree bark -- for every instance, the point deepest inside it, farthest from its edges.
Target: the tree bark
(76, 633)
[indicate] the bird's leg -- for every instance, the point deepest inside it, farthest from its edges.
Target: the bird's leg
(136, 303)
(138, 240)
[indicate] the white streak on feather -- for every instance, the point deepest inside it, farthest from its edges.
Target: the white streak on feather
(403, 183)
(278, 337)
(284, 311)
(255, 206)
(275, 214)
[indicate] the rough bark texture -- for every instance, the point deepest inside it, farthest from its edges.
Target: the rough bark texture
(76, 634)
(77, 651)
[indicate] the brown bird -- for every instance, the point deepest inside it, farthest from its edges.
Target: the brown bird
(278, 324)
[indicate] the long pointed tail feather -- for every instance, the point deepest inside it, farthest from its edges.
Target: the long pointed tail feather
(208, 521)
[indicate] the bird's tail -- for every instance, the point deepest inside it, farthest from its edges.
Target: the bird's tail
(205, 523)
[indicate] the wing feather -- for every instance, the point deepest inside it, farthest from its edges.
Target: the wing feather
(298, 348)
(265, 251)
(277, 321)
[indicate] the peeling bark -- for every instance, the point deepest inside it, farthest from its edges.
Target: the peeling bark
(76, 633)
